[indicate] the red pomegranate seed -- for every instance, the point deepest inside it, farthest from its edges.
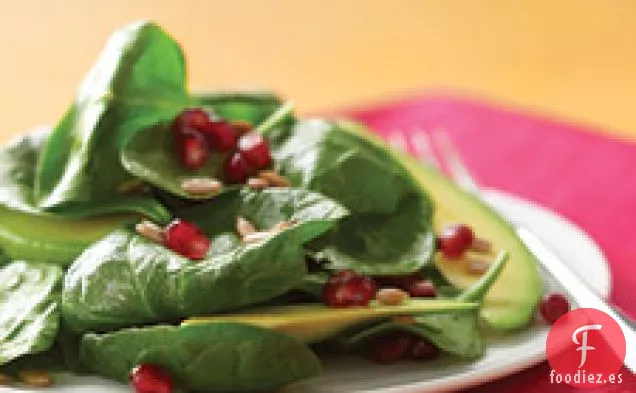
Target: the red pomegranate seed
(236, 169)
(190, 118)
(423, 288)
(186, 239)
(423, 349)
(192, 149)
(348, 289)
(553, 306)
(455, 240)
(255, 150)
(391, 348)
(148, 378)
(220, 135)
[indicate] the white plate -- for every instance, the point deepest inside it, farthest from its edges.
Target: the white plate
(505, 355)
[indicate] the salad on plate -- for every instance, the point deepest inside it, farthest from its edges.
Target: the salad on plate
(217, 242)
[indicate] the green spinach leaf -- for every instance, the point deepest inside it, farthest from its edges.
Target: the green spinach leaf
(251, 106)
(138, 81)
(29, 309)
(455, 333)
(62, 356)
(125, 279)
(204, 357)
(17, 170)
(389, 231)
(313, 284)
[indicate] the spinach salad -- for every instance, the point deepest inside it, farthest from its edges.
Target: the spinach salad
(217, 242)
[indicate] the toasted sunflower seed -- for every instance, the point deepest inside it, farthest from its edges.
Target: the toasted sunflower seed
(39, 379)
(273, 178)
(477, 266)
(150, 231)
(241, 126)
(257, 183)
(202, 186)
(391, 296)
(256, 237)
(482, 246)
(244, 227)
(5, 379)
(281, 226)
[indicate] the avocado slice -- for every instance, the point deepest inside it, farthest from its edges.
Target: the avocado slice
(316, 322)
(54, 239)
(510, 303)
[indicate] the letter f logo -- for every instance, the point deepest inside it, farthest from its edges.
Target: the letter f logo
(584, 347)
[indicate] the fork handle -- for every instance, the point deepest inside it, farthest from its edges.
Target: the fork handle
(580, 292)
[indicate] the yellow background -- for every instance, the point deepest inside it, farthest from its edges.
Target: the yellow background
(572, 59)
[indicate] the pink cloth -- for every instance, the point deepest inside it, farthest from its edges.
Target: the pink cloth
(570, 168)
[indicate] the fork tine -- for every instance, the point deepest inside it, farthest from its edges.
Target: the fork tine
(421, 143)
(458, 170)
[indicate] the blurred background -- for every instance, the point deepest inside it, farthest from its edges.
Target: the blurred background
(575, 60)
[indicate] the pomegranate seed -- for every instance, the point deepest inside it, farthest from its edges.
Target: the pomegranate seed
(186, 239)
(192, 149)
(236, 169)
(553, 306)
(390, 349)
(348, 289)
(255, 150)
(455, 240)
(190, 118)
(220, 135)
(423, 288)
(423, 349)
(148, 378)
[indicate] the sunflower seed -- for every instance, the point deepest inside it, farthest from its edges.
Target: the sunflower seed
(150, 231)
(481, 246)
(391, 296)
(5, 379)
(273, 178)
(257, 183)
(477, 266)
(256, 237)
(241, 126)
(202, 186)
(39, 379)
(244, 227)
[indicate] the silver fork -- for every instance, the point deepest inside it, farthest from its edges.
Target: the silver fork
(422, 145)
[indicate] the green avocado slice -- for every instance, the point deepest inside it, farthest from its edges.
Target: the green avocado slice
(30, 234)
(316, 322)
(511, 302)
(51, 238)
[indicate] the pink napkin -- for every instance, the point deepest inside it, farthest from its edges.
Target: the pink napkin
(573, 169)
